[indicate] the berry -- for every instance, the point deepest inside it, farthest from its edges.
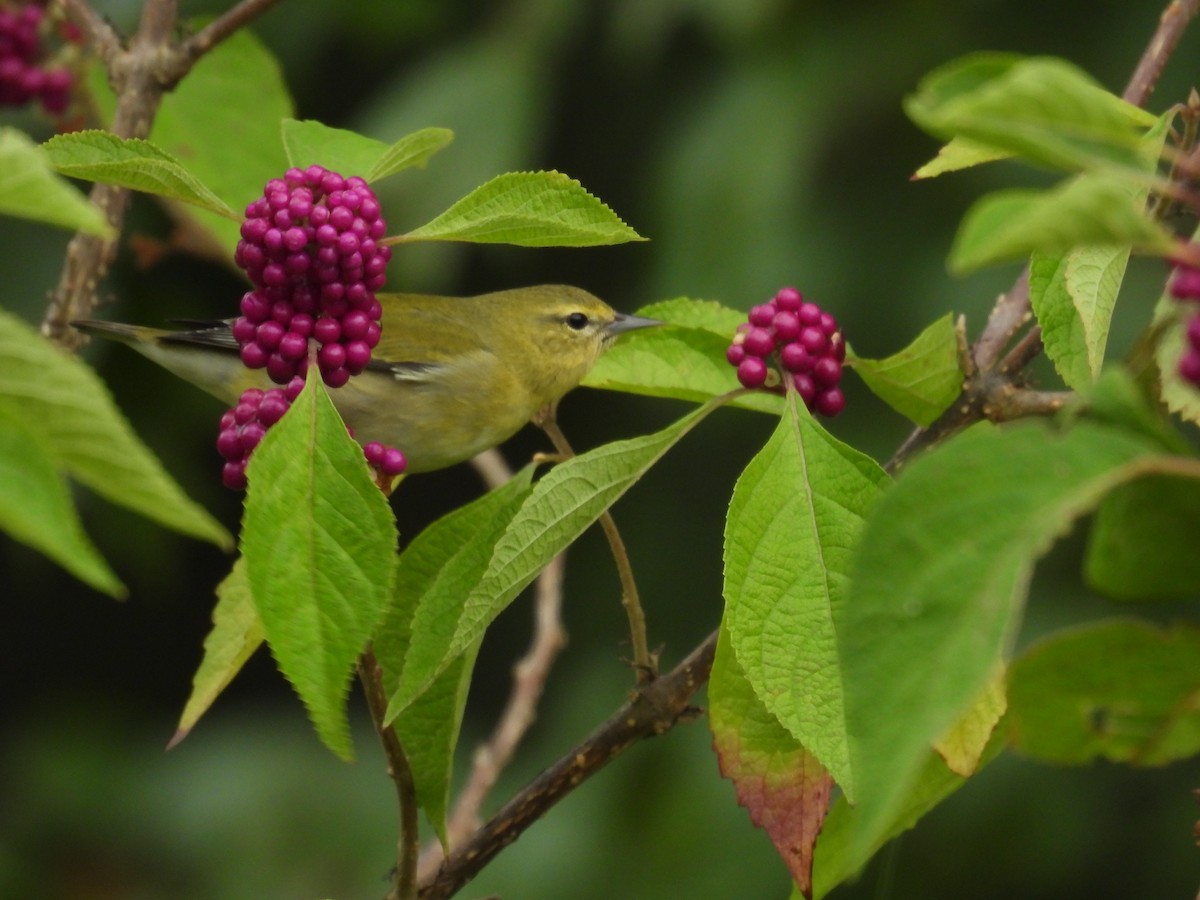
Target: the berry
(310, 247)
(1189, 362)
(23, 77)
(387, 461)
(802, 339)
(243, 427)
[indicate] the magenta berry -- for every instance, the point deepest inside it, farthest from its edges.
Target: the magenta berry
(25, 75)
(385, 460)
(310, 246)
(798, 337)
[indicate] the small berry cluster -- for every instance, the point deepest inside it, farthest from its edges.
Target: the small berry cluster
(799, 337)
(1185, 286)
(22, 77)
(310, 246)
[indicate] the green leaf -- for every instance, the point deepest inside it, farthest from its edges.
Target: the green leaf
(62, 401)
(963, 746)
(837, 858)
(222, 122)
(348, 153)
(1011, 224)
(433, 576)
(959, 153)
(1170, 323)
(1117, 399)
(684, 360)
(1044, 109)
(411, 151)
(1073, 295)
(529, 209)
(921, 380)
(782, 786)
(30, 189)
(559, 509)
(1142, 544)
(1123, 691)
(132, 163)
(319, 541)
(939, 581)
(36, 508)
(794, 518)
(236, 634)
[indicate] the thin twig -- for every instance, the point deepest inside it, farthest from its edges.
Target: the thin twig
(1171, 25)
(655, 709)
(218, 30)
(97, 33)
(407, 843)
(643, 660)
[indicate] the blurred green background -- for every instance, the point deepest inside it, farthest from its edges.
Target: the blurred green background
(757, 143)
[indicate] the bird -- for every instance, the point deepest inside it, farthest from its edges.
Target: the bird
(450, 377)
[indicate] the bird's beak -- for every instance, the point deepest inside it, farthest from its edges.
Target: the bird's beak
(623, 323)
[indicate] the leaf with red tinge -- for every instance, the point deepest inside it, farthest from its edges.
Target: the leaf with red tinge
(782, 786)
(236, 634)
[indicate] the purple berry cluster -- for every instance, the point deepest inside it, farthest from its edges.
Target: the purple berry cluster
(801, 339)
(311, 248)
(1185, 286)
(23, 78)
(243, 427)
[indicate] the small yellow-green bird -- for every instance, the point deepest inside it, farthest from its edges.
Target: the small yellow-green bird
(451, 376)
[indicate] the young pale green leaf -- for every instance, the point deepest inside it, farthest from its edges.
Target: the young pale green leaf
(319, 542)
(795, 516)
(222, 120)
(939, 580)
(132, 163)
(1142, 544)
(837, 858)
(434, 574)
(1170, 323)
(782, 786)
(411, 151)
(958, 154)
(1043, 109)
(1073, 294)
(36, 508)
(308, 142)
(30, 189)
(66, 405)
(559, 509)
(921, 380)
(236, 634)
(962, 747)
(1123, 691)
(1012, 224)
(529, 209)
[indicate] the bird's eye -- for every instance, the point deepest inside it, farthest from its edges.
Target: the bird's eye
(577, 321)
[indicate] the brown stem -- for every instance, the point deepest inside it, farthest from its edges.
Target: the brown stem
(218, 30)
(1171, 25)
(655, 709)
(97, 33)
(405, 877)
(643, 660)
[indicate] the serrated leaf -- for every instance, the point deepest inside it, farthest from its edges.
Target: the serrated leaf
(132, 163)
(66, 405)
(838, 860)
(529, 209)
(1073, 294)
(963, 745)
(1142, 543)
(30, 189)
(957, 154)
(36, 507)
(434, 574)
(222, 122)
(795, 516)
(236, 633)
(561, 507)
(308, 142)
(1123, 691)
(920, 381)
(1012, 224)
(411, 151)
(783, 787)
(1044, 109)
(1170, 323)
(319, 542)
(939, 579)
